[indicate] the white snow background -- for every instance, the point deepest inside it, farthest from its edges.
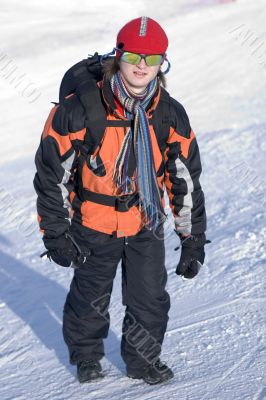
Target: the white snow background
(215, 341)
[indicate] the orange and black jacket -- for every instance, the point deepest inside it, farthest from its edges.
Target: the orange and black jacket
(178, 170)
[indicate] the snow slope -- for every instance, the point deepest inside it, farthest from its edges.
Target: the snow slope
(215, 341)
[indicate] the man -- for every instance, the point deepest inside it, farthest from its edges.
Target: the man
(99, 207)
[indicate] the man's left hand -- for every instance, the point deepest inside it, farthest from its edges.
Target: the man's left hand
(192, 255)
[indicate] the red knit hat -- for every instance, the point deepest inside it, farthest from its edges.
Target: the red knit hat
(142, 35)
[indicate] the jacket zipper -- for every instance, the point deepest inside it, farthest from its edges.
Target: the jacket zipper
(126, 240)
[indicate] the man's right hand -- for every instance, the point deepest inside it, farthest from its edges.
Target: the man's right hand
(63, 250)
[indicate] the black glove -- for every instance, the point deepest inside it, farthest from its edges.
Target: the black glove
(63, 250)
(192, 255)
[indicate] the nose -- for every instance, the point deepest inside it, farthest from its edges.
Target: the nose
(142, 63)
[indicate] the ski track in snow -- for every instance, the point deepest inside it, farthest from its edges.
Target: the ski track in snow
(215, 341)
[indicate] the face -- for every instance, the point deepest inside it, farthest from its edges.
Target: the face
(137, 77)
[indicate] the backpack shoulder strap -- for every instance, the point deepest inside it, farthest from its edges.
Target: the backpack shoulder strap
(161, 119)
(90, 97)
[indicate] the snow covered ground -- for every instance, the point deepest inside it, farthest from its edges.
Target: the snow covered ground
(215, 340)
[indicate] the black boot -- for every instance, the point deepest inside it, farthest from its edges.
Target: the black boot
(89, 370)
(153, 374)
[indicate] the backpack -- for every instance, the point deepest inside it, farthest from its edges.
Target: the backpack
(82, 79)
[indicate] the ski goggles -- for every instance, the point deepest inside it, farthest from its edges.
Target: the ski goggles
(134, 58)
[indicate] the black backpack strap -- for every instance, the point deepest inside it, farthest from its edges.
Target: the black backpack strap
(161, 120)
(90, 97)
(122, 123)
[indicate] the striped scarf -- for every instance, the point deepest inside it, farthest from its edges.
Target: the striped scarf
(147, 186)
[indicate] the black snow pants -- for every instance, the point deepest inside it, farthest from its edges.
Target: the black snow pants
(86, 318)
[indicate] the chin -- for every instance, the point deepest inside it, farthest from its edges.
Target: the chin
(139, 83)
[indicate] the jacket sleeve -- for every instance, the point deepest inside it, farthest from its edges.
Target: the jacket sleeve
(54, 160)
(182, 173)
